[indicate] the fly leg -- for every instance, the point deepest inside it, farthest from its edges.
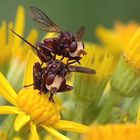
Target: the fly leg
(62, 58)
(51, 98)
(42, 88)
(72, 62)
(52, 92)
(54, 57)
(37, 75)
(28, 85)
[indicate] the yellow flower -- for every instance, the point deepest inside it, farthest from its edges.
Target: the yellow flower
(99, 59)
(3, 45)
(125, 80)
(138, 116)
(17, 138)
(88, 89)
(14, 50)
(13, 47)
(127, 70)
(117, 39)
(20, 48)
(35, 109)
(131, 53)
(113, 132)
(125, 31)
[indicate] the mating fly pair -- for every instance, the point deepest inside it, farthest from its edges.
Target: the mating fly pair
(51, 78)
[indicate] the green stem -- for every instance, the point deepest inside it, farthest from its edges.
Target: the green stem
(77, 117)
(79, 111)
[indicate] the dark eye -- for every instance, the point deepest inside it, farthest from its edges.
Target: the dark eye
(73, 46)
(50, 79)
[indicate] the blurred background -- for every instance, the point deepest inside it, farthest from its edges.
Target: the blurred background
(70, 15)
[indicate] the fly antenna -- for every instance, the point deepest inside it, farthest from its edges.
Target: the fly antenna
(24, 40)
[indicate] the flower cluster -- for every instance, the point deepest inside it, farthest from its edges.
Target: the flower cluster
(14, 51)
(33, 109)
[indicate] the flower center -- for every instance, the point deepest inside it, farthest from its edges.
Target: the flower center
(38, 106)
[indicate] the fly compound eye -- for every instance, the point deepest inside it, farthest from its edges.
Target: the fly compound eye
(50, 79)
(73, 46)
(79, 49)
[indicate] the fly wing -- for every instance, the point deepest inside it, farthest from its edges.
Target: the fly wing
(80, 33)
(43, 20)
(81, 69)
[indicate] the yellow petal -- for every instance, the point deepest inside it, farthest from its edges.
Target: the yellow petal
(126, 131)
(48, 137)
(70, 126)
(8, 110)
(135, 39)
(55, 133)
(21, 120)
(11, 36)
(17, 138)
(7, 91)
(19, 25)
(50, 35)
(32, 38)
(28, 76)
(5, 53)
(34, 134)
(3, 34)
(138, 116)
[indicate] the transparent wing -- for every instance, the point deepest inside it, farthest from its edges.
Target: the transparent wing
(43, 20)
(80, 33)
(81, 69)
